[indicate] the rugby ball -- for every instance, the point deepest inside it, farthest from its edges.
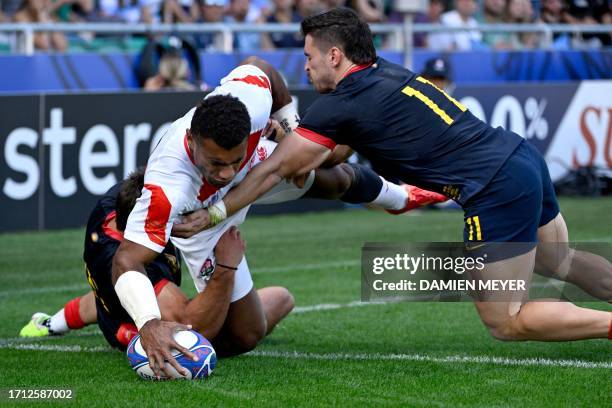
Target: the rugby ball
(191, 340)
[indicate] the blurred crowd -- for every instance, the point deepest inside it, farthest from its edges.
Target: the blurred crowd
(452, 13)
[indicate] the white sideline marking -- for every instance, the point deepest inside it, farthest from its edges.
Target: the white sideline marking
(73, 333)
(333, 306)
(54, 347)
(530, 362)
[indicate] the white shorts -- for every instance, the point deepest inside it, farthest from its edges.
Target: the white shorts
(198, 251)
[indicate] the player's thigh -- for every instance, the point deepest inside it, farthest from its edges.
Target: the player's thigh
(554, 254)
(554, 231)
(497, 307)
(172, 302)
(246, 318)
(245, 313)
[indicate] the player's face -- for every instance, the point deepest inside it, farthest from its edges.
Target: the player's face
(318, 67)
(219, 166)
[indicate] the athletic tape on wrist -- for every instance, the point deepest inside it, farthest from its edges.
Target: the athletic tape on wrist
(287, 117)
(137, 297)
(217, 213)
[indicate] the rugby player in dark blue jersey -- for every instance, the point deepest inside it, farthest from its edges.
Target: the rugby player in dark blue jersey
(412, 131)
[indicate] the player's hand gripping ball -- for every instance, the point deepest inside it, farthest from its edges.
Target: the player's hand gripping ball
(191, 340)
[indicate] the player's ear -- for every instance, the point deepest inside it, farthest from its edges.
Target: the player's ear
(335, 56)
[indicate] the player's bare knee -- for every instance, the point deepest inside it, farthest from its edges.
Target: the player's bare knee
(346, 174)
(605, 283)
(507, 330)
(606, 288)
(335, 181)
(288, 301)
(500, 326)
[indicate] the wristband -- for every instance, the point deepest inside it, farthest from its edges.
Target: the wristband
(287, 117)
(217, 213)
(227, 267)
(137, 296)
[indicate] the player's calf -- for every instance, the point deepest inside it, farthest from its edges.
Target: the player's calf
(590, 272)
(501, 319)
(357, 184)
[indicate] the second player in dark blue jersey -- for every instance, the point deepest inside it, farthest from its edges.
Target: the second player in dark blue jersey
(102, 238)
(409, 129)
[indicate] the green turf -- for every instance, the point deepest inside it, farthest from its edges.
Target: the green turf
(317, 257)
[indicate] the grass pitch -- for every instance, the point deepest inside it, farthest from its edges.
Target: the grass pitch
(331, 351)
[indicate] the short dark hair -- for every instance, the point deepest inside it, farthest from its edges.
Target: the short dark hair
(343, 28)
(131, 188)
(222, 118)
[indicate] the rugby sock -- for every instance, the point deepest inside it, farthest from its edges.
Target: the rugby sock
(72, 316)
(391, 196)
(365, 187)
(57, 323)
(126, 332)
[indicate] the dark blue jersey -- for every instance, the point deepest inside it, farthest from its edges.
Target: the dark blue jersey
(409, 130)
(101, 243)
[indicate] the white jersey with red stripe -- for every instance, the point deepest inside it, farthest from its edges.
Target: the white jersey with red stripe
(174, 185)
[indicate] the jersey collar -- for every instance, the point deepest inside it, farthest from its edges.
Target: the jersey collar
(111, 232)
(357, 68)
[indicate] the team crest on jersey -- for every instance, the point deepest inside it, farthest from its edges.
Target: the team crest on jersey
(262, 153)
(207, 269)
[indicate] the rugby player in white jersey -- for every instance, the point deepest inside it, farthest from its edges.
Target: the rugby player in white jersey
(202, 156)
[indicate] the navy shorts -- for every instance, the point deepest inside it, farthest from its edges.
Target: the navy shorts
(519, 199)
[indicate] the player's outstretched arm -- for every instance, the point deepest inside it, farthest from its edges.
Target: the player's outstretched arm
(294, 157)
(137, 296)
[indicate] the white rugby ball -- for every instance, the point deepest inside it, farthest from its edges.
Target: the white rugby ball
(191, 340)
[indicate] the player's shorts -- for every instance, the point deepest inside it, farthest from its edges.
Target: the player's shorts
(519, 199)
(198, 250)
(114, 322)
